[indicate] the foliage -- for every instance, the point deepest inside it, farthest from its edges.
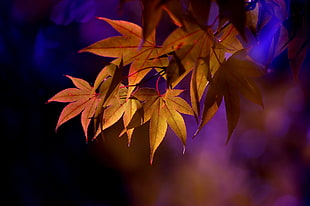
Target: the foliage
(217, 43)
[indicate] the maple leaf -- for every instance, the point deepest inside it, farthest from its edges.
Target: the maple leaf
(234, 11)
(228, 39)
(107, 90)
(252, 19)
(232, 79)
(163, 110)
(199, 80)
(129, 48)
(119, 106)
(298, 47)
(189, 44)
(82, 100)
(200, 9)
(152, 12)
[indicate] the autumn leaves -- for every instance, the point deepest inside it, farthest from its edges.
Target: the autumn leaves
(191, 49)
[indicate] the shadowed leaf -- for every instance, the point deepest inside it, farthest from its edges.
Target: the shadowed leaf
(200, 10)
(233, 11)
(232, 79)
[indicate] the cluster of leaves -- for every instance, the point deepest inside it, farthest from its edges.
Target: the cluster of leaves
(215, 42)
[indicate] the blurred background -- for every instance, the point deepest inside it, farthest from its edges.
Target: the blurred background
(267, 161)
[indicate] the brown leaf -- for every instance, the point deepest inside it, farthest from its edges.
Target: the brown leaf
(175, 70)
(152, 12)
(175, 10)
(252, 19)
(232, 79)
(234, 11)
(298, 47)
(212, 102)
(232, 105)
(200, 10)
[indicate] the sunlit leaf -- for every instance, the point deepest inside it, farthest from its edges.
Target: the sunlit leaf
(131, 107)
(175, 122)
(229, 41)
(113, 112)
(69, 95)
(177, 103)
(139, 69)
(71, 110)
(189, 44)
(161, 110)
(158, 127)
(112, 86)
(80, 83)
(82, 100)
(127, 46)
(87, 115)
(107, 71)
(199, 83)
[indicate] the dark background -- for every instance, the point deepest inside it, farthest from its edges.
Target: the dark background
(266, 163)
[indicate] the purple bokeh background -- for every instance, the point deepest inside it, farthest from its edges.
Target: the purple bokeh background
(267, 161)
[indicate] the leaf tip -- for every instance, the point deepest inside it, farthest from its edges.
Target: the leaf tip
(184, 149)
(196, 133)
(56, 128)
(228, 137)
(152, 157)
(82, 50)
(100, 18)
